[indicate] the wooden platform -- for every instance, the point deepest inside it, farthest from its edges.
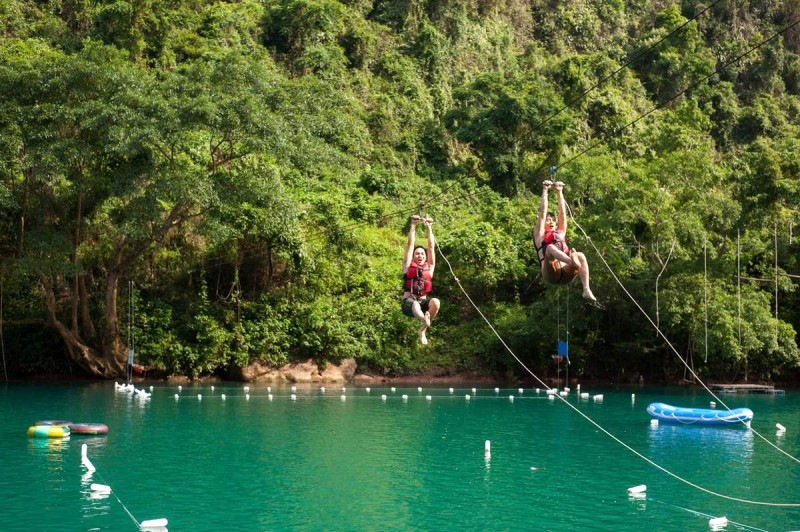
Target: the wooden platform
(745, 388)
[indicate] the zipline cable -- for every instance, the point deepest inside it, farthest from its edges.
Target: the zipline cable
(624, 66)
(664, 337)
(597, 425)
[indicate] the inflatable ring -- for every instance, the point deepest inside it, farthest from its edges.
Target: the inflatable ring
(49, 431)
(53, 422)
(90, 429)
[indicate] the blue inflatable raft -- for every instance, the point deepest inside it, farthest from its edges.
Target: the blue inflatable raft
(699, 416)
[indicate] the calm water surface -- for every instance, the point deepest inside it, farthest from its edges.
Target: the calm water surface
(321, 463)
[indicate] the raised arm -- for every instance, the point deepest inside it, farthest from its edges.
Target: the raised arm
(412, 235)
(431, 245)
(562, 207)
(538, 233)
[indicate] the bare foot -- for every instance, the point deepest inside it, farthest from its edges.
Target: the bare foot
(589, 296)
(422, 338)
(427, 320)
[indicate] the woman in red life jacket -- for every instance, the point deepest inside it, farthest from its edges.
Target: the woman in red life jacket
(418, 265)
(560, 264)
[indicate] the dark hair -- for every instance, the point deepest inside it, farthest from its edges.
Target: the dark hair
(422, 248)
(551, 215)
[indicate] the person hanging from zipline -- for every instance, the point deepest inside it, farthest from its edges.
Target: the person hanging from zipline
(559, 263)
(418, 266)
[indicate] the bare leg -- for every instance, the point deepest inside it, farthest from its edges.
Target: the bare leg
(555, 253)
(416, 309)
(579, 259)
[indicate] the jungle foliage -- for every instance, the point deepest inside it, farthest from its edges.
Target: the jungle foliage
(245, 172)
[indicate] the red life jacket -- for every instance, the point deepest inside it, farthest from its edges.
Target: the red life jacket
(557, 239)
(417, 279)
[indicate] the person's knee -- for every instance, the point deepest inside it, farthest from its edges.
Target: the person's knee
(434, 305)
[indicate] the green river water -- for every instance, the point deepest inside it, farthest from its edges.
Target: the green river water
(362, 463)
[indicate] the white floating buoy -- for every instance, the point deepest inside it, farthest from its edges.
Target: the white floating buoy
(151, 388)
(247, 389)
(405, 397)
(598, 398)
(199, 397)
(322, 389)
(487, 448)
(222, 396)
(154, 523)
(176, 396)
(269, 396)
(344, 397)
(566, 389)
(520, 391)
(383, 397)
(293, 397)
(579, 387)
(653, 423)
(100, 488)
(247, 396)
(584, 395)
(474, 391)
(344, 389)
(718, 522)
(180, 387)
(713, 404)
(419, 388)
(428, 397)
(551, 391)
(294, 388)
(497, 390)
(633, 398)
(780, 427)
(368, 389)
(451, 390)
(551, 397)
(467, 397)
(511, 398)
(393, 389)
(538, 390)
(562, 393)
(269, 389)
(212, 388)
(641, 488)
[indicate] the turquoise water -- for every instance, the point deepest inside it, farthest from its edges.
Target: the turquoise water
(321, 463)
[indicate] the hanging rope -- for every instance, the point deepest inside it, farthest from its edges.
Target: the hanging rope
(593, 422)
(664, 337)
(2, 342)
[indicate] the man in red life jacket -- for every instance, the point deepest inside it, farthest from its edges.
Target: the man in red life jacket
(560, 264)
(418, 265)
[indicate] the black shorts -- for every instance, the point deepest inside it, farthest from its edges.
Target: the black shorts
(407, 303)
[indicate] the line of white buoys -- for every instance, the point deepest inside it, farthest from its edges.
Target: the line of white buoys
(717, 523)
(641, 488)
(85, 459)
(100, 488)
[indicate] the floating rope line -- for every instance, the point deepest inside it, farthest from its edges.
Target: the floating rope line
(664, 337)
(596, 424)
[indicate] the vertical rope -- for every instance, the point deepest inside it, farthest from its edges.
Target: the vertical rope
(2, 341)
(739, 298)
(705, 297)
(775, 236)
